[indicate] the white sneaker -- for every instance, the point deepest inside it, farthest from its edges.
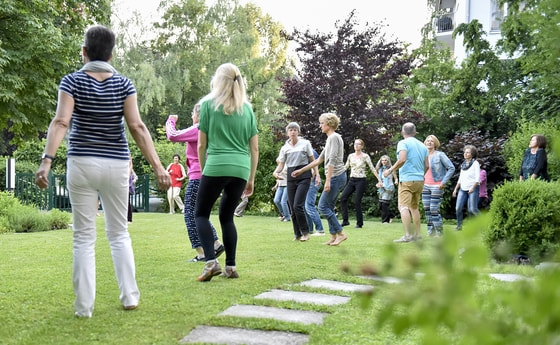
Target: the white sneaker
(318, 234)
(404, 239)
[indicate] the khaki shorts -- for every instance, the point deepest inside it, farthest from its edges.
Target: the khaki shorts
(410, 194)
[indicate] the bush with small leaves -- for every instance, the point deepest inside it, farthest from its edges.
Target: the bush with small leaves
(59, 219)
(525, 219)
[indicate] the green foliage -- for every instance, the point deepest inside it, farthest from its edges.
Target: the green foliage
(519, 141)
(262, 200)
(454, 295)
(39, 42)
(15, 217)
(59, 219)
(173, 71)
(525, 219)
(357, 74)
(531, 32)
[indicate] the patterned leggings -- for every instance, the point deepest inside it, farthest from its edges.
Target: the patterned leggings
(190, 204)
(431, 199)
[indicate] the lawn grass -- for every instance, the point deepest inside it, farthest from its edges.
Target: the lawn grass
(36, 295)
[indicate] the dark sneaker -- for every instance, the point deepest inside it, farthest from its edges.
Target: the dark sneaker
(196, 259)
(220, 250)
(230, 272)
(344, 224)
(210, 270)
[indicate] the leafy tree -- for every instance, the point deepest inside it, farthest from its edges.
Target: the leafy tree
(356, 74)
(192, 40)
(531, 33)
(459, 98)
(39, 42)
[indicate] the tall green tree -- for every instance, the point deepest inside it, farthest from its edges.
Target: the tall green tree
(531, 33)
(357, 74)
(39, 42)
(191, 41)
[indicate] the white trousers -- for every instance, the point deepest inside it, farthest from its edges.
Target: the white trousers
(173, 195)
(88, 177)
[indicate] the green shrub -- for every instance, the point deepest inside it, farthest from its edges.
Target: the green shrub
(28, 219)
(15, 217)
(59, 219)
(454, 301)
(525, 219)
(7, 201)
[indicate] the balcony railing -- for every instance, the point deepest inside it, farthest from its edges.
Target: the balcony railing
(445, 22)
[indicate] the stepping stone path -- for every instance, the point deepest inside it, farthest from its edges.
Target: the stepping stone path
(239, 336)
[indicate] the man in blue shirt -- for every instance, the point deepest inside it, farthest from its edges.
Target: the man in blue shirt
(412, 164)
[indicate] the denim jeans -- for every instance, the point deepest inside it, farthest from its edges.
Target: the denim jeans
(472, 204)
(281, 201)
(327, 202)
(311, 213)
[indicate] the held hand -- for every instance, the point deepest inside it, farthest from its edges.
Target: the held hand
(173, 117)
(318, 181)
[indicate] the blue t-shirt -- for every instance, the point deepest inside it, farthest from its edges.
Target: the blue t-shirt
(416, 153)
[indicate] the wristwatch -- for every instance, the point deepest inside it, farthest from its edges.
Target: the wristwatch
(47, 156)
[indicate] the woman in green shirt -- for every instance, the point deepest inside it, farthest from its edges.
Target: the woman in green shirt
(228, 153)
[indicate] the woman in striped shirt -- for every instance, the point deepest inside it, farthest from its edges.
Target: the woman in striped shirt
(94, 104)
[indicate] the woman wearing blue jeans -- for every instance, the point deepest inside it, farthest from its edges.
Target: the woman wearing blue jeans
(335, 179)
(281, 195)
(468, 185)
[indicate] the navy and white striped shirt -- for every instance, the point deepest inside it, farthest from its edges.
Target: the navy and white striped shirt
(97, 127)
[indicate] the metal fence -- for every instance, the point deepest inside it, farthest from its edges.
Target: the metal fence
(56, 195)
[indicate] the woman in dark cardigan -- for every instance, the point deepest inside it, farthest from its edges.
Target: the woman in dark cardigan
(534, 163)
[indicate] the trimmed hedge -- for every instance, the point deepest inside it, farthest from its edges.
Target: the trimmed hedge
(525, 219)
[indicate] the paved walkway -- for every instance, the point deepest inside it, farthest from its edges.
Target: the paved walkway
(240, 336)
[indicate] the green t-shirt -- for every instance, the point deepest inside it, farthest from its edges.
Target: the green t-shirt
(228, 140)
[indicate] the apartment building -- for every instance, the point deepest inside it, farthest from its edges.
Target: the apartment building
(451, 13)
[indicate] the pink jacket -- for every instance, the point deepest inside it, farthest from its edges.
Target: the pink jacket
(189, 136)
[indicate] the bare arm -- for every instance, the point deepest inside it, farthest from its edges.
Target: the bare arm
(144, 141)
(399, 163)
(57, 131)
(309, 166)
(254, 149)
(201, 148)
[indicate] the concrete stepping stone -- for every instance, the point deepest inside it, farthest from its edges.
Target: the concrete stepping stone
(303, 297)
(388, 280)
(506, 277)
(335, 285)
(290, 315)
(239, 336)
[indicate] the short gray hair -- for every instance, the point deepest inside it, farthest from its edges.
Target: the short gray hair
(293, 125)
